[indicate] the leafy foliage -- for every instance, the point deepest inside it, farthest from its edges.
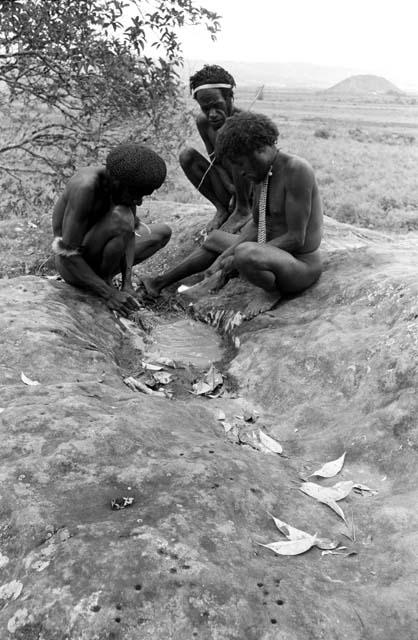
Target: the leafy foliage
(72, 73)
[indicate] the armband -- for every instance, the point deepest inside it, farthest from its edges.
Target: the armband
(61, 249)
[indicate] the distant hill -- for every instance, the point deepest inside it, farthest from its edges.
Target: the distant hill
(364, 84)
(291, 75)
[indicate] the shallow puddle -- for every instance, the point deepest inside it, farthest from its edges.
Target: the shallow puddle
(185, 340)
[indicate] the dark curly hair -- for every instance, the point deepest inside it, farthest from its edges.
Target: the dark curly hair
(136, 166)
(212, 74)
(244, 133)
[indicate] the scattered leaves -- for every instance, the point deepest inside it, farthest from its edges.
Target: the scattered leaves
(292, 533)
(330, 469)
(28, 381)
(211, 381)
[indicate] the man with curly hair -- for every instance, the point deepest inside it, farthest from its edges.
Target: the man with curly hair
(278, 249)
(96, 232)
(212, 88)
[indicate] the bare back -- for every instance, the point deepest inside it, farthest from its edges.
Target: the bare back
(85, 200)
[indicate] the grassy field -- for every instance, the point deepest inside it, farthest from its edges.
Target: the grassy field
(364, 150)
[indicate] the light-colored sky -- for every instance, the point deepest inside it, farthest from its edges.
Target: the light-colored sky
(378, 37)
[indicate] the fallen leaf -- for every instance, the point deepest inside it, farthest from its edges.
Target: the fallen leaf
(220, 415)
(162, 377)
(168, 362)
(291, 547)
(250, 416)
(292, 533)
(329, 495)
(200, 388)
(137, 385)
(27, 380)
(148, 366)
(121, 503)
(330, 469)
(362, 488)
(270, 445)
(213, 377)
(287, 530)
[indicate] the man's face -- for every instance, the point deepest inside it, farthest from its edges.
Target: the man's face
(254, 166)
(215, 107)
(130, 196)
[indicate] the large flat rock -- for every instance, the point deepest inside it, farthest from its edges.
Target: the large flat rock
(330, 371)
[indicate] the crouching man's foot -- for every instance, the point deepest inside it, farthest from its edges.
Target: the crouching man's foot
(217, 221)
(236, 220)
(150, 288)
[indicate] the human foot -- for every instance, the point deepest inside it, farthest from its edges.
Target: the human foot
(217, 220)
(150, 286)
(236, 221)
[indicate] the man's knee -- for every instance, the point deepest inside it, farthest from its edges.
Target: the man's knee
(162, 233)
(246, 253)
(187, 157)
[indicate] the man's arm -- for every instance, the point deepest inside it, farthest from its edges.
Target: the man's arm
(298, 203)
(202, 127)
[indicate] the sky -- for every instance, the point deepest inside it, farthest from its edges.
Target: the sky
(371, 36)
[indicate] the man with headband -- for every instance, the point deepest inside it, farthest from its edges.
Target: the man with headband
(96, 232)
(212, 87)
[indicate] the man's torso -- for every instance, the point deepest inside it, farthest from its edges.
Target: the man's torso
(276, 223)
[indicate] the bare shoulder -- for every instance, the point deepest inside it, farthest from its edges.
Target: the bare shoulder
(86, 178)
(297, 170)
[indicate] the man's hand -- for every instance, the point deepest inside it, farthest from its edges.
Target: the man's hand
(122, 302)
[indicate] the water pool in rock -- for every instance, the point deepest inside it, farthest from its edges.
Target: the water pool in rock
(185, 340)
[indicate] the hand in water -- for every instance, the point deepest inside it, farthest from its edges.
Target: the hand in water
(122, 302)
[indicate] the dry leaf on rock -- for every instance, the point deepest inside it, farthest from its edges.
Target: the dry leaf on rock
(362, 489)
(269, 445)
(329, 495)
(211, 381)
(220, 415)
(137, 385)
(148, 366)
(292, 533)
(200, 388)
(330, 469)
(28, 381)
(213, 377)
(162, 377)
(291, 547)
(167, 362)
(287, 530)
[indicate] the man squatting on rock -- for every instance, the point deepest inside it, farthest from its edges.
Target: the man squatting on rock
(286, 258)
(227, 189)
(96, 232)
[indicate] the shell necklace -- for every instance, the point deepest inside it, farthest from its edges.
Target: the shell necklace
(262, 205)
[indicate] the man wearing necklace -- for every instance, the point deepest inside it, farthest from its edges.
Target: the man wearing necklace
(212, 88)
(278, 249)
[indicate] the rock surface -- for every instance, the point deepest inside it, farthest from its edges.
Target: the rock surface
(332, 370)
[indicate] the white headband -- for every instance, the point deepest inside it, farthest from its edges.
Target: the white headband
(211, 86)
